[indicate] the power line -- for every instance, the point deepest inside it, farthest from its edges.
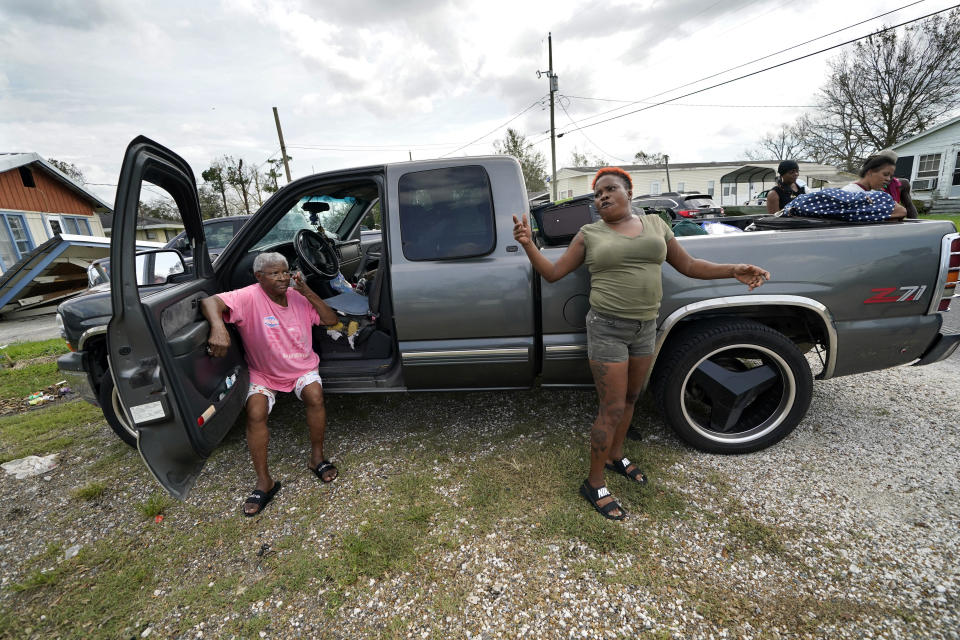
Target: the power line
(739, 66)
(535, 103)
(753, 73)
(681, 104)
(588, 137)
(379, 147)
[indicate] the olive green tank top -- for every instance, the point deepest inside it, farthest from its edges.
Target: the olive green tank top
(625, 272)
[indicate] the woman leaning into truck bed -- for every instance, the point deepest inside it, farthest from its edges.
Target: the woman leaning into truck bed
(624, 253)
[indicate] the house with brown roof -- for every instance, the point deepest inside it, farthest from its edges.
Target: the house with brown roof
(37, 202)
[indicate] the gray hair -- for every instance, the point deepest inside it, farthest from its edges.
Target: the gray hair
(266, 259)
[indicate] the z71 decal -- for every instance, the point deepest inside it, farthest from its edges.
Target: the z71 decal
(893, 294)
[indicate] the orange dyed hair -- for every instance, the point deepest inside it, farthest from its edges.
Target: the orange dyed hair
(613, 171)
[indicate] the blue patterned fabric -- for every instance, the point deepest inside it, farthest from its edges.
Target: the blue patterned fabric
(852, 206)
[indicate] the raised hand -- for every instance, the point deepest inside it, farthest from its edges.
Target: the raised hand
(521, 230)
(299, 283)
(751, 275)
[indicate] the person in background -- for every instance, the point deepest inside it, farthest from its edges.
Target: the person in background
(275, 324)
(899, 189)
(786, 188)
(875, 175)
(624, 253)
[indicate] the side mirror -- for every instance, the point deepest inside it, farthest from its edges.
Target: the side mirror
(159, 266)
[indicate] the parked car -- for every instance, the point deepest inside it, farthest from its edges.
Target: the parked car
(758, 200)
(455, 304)
(681, 205)
(219, 231)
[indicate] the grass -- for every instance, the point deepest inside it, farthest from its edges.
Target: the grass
(48, 430)
(18, 351)
(36, 371)
(155, 505)
(511, 487)
(954, 218)
(89, 492)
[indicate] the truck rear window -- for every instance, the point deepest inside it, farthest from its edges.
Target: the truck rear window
(446, 213)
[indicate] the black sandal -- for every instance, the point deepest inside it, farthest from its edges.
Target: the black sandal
(260, 499)
(322, 467)
(620, 466)
(593, 496)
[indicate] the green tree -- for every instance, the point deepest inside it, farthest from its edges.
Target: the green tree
(71, 170)
(160, 208)
(272, 174)
(210, 203)
(215, 177)
(240, 179)
(532, 162)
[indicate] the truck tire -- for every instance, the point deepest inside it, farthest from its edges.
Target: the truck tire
(732, 386)
(113, 412)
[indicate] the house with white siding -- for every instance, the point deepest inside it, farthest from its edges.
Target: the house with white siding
(931, 161)
(729, 183)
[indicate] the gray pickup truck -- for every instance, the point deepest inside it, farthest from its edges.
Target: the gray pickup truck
(451, 302)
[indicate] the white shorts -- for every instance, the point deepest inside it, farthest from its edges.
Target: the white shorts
(302, 382)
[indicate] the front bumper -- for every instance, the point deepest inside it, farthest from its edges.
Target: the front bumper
(941, 349)
(72, 369)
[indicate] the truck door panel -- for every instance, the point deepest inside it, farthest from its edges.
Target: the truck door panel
(564, 306)
(181, 401)
(463, 303)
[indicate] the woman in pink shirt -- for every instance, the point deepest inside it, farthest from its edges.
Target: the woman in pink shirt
(275, 323)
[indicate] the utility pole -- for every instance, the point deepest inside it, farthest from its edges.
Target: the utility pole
(553, 138)
(666, 165)
(283, 147)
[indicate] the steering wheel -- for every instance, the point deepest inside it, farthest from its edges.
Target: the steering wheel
(317, 254)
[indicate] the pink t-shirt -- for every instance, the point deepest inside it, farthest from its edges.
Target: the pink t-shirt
(278, 340)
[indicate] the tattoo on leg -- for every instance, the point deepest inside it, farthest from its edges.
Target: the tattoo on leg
(599, 377)
(599, 439)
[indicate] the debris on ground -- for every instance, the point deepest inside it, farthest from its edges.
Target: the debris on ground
(30, 466)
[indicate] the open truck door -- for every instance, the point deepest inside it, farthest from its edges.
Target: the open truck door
(180, 401)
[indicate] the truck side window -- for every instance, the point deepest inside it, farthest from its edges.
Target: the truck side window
(446, 213)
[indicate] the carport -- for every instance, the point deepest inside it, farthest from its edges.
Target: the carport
(746, 174)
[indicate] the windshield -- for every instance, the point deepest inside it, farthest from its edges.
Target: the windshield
(307, 214)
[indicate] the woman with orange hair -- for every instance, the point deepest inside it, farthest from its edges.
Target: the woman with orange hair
(624, 253)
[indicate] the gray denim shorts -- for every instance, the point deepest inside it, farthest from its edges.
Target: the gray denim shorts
(613, 339)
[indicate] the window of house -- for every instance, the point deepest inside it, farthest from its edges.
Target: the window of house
(681, 186)
(928, 170)
(655, 188)
(151, 234)
(14, 239)
(929, 166)
(446, 213)
(76, 226)
(711, 187)
(26, 176)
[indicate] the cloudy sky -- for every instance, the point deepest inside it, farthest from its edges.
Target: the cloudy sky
(359, 82)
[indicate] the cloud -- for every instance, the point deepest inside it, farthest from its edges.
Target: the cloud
(83, 15)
